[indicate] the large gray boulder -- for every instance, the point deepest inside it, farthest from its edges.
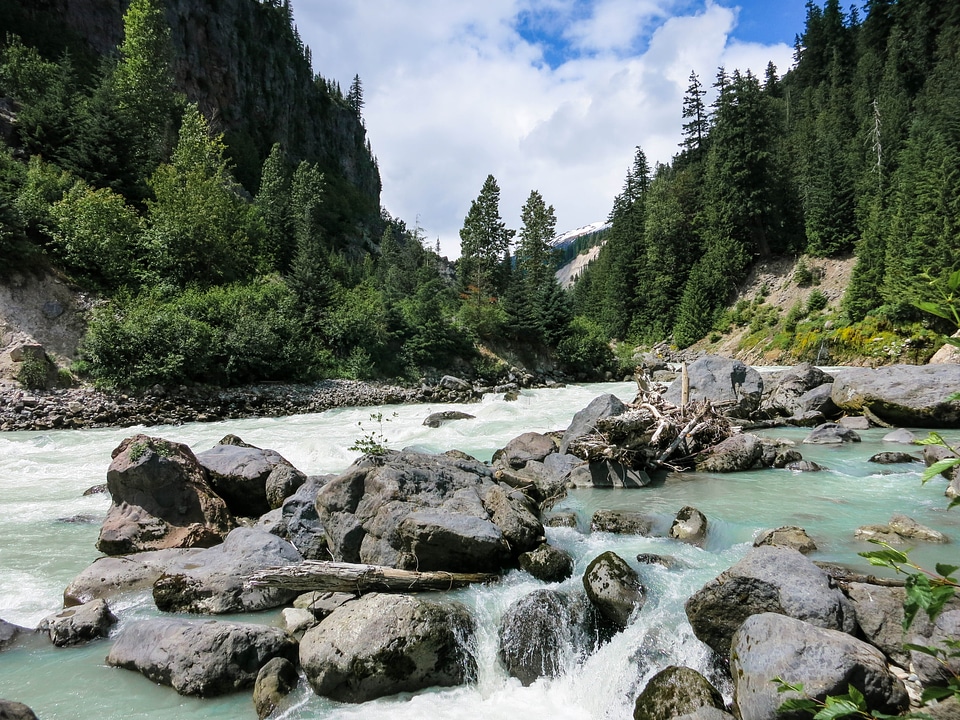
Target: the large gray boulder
(824, 661)
(299, 522)
(623, 522)
(614, 588)
(831, 434)
(79, 624)
(530, 446)
(240, 475)
(113, 575)
(547, 563)
(429, 512)
(545, 633)
(676, 691)
(689, 526)
(945, 629)
(381, 644)
(214, 580)
(905, 395)
(11, 710)
(736, 388)
(789, 536)
(767, 579)
(585, 421)
(901, 529)
(793, 384)
(817, 400)
(199, 657)
(742, 451)
(277, 679)
(160, 499)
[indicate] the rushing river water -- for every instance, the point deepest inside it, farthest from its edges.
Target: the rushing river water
(48, 530)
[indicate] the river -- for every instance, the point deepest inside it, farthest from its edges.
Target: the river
(48, 529)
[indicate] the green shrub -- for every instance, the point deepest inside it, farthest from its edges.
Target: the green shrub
(795, 315)
(585, 350)
(803, 275)
(817, 301)
(33, 372)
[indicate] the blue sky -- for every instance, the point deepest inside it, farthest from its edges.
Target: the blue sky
(547, 95)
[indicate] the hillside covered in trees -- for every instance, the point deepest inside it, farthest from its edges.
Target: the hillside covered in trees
(854, 150)
(226, 211)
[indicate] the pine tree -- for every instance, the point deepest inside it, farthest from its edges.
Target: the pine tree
(695, 114)
(533, 251)
(273, 202)
(310, 276)
(484, 241)
(355, 96)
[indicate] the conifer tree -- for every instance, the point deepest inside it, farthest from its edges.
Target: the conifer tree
(484, 241)
(273, 201)
(695, 116)
(355, 96)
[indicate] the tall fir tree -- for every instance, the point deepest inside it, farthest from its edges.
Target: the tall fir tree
(484, 242)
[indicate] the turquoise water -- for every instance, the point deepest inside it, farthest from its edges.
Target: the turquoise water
(43, 476)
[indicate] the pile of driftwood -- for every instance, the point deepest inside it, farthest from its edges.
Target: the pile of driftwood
(311, 575)
(654, 434)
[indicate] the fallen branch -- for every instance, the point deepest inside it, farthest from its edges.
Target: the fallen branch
(358, 578)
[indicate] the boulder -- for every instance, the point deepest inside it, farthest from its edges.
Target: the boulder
(824, 661)
(614, 588)
(933, 454)
(547, 563)
(381, 644)
(521, 450)
(901, 529)
(831, 434)
(321, 604)
(804, 466)
(239, 474)
(607, 474)
(110, 576)
(565, 519)
(733, 454)
(449, 382)
(902, 436)
(10, 710)
(544, 633)
(585, 421)
(429, 512)
(906, 395)
(667, 561)
(854, 422)
(893, 458)
(690, 526)
(296, 621)
(435, 420)
(282, 482)
(79, 624)
(728, 383)
(818, 400)
(277, 679)
(676, 691)
(788, 536)
(946, 629)
(784, 399)
(214, 580)
(10, 632)
(623, 522)
(542, 482)
(199, 657)
(299, 523)
(160, 499)
(767, 579)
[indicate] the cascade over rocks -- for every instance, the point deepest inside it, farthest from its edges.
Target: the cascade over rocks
(380, 645)
(905, 395)
(767, 579)
(544, 633)
(727, 383)
(427, 512)
(199, 657)
(825, 661)
(214, 580)
(676, 691)
(160, 499)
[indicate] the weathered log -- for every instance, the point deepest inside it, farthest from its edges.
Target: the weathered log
(325, 576)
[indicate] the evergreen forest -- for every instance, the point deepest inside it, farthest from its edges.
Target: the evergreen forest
(226, 251)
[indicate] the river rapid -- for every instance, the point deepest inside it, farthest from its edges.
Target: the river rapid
(48, 530)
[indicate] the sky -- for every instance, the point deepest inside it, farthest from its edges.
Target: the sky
(546, 95)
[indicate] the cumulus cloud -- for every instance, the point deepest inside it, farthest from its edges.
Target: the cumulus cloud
(551, 95)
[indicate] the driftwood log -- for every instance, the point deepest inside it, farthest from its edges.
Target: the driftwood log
(358, 578)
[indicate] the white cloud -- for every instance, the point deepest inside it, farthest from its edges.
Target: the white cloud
(453, 92)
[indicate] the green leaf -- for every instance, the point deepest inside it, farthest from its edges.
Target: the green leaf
(857, 697)
(953, 282)
(940, 596)
(888, 557)
(932, 439)
(954, 502)
(936, 693)
(939, 467)
(934, 309)
(919, 595)
(944, 570)
(837, 708)
(925, 649)
(802, 704)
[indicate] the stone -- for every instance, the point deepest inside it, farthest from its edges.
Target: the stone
(768, 579)
(825, 661)
(904, 395)
(199, 657)
(733, 454)
(818, 400)
(160, 499)
(321, 604)
(623, 522)
(214, 580)
(854, 422)
(435, 420)
(547, 563)
(429, 512)
(111, 576)
(607, 474)
(723, 381)
(524, 448)
(831, 434)
(282, 482)
(544, 633)
(789, 536)
(79, 624)
(893, 458)
(9, 633)
(667, 561)
(449, 382)
(382, 644)
(784, 398)
(675, 691)
(565, 519)
(946, 628)
(900, 530)
(276, 679)
(299, 524)
(614, 588)
(690, 526)
(239, 475)
(585, 421)
(10, 710)
(297, 621)
(804, 466)
(902, 436)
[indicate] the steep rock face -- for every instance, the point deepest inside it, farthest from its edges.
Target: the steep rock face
(241, 62)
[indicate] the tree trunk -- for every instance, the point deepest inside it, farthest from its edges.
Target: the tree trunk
(357, 578)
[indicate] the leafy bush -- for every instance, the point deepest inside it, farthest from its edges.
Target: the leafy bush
(585, 351)
(803, 275)
(32, 373)
(817, 301)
